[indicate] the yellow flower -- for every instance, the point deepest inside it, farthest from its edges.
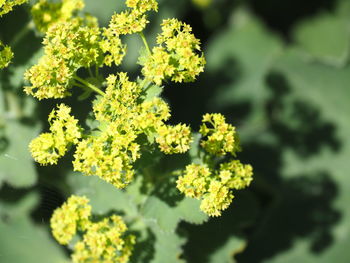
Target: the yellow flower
(7, 5)
(174, 139)
(105, 241)
(46, 13)
(6, 55)
(220, 137)
(214, 187)
(69, 46)
(66, 220)
(49, 147)
(177, 56)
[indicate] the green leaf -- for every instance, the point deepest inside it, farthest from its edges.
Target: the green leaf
(241, 55)
(225, 253)
(324, 87)
(22, 241)
(160, 214)
(153, 91)
(325, 38)
(238, 60)
(167, 247)
(16, 164)
(103, 196)
(188, 210)
(167, 217)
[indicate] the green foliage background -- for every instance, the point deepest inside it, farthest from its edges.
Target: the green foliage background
(279, 71)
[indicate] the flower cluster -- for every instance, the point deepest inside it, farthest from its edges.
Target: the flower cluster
(124, 116)
(104, 241)
(68, 47)
(47, 13)
(49, 147)
(177, 55)
(221, 137)
(214, 188)
(72, 215)
(7, 5)
(174, 139)
(5, 55)
(133, 20)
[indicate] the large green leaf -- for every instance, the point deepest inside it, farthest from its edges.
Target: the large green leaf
(103, 196)
(225, 254)
(325, 38)
(16, 164)
(326, 88)
(21, 240)
(241, 56)
(167, 247)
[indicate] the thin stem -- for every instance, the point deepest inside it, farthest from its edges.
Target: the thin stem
(89, 85)
(80, 85)
(90, 73)
(96, 70)
(145, 42)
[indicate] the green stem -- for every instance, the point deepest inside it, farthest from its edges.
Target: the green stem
(81, 86)
(96, 70)
(145, 42)
(89, 85)
(90, 73)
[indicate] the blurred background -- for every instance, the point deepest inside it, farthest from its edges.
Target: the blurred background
(278, 70)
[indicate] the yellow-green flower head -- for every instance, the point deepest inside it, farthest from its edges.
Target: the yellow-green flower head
(109, 155)
(221, 137)
(49, 147)
(50, 78)
(63, 125)
(133, 20)
(120, 101)
(142, 6)
(47, 13)
(194, 181)
(236, 175)
(7, 5)
(113, 48)
(177, 56)
(127, 22)
(218, 199)
(105, 242)
(214, 187)
(75, 42)
(174, 139)
(68, 47)
(6, 55)
(45, 150)
(70, 217)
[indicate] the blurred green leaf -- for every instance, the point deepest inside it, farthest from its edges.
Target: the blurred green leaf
(225, 254)
(16, 164)
(167, 247)
(21, 241)
(103, 196)
(325, 38)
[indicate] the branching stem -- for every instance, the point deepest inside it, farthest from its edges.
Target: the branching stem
(89, 85)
